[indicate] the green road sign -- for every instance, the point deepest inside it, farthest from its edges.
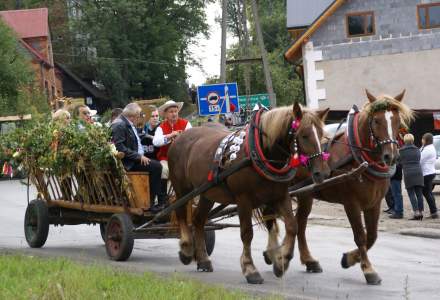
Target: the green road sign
(254, 99)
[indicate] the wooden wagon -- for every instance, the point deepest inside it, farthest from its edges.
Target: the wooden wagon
(119, 204)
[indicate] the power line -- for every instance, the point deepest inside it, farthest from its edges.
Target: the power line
(120, 59)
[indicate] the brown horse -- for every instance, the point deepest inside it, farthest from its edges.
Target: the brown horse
(282, 133)
(375, 130)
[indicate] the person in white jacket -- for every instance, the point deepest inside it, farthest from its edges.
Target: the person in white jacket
(427, 161)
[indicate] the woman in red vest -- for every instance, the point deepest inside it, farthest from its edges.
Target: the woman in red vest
(165, 134)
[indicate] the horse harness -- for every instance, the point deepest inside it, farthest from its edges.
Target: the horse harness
(360, 154)
(251, 137)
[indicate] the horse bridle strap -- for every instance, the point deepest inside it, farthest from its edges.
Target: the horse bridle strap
(360, 156)
(255, 153)
(377, 141)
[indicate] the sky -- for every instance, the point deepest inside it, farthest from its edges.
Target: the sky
(208, 51)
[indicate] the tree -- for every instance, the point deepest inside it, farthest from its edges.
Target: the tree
(287, 85)
(138, 48)
(18, 92)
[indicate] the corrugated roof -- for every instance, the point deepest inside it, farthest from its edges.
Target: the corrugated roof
(27, 23)
(302, 13)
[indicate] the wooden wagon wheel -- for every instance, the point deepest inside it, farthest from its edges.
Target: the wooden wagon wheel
(119, 239)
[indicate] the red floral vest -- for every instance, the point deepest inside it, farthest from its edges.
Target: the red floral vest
(167, 128)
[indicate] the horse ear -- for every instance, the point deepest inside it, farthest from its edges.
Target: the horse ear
(400, 96)
(297, 111)
(322, 114)
(370, 97)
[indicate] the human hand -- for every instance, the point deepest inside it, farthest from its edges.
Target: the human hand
(145, 161)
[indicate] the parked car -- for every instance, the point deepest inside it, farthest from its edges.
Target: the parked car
(436, 180)
(330, 129)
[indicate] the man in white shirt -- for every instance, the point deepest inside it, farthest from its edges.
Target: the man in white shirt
(427, 161)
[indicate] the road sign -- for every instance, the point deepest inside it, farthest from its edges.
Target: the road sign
(254, 99)
(217, 99)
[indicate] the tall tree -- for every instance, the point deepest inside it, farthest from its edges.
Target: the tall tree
(286, 83)
(139, 48)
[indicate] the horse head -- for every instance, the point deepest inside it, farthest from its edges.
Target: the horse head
(386, 115)
(307, 137)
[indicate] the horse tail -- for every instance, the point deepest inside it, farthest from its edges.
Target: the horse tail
(265, 217)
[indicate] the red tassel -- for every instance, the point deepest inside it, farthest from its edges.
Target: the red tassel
(294, 161)
(210, 175)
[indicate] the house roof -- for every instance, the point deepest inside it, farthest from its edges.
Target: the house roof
(88, 87)
(293, 53)
(35, 53)
(27, 23)
(302, 13)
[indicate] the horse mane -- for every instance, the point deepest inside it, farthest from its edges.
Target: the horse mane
(385, 102)
(276, 123)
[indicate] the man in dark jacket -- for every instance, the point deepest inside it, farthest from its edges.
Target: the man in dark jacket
(126, 139)
(396, 191)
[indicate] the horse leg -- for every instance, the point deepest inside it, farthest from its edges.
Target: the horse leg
(305, 204)
(186, 252)
(247, 265)
(285, 253)
(371, 217)
(272, 228)
(199, 220)
(359, 255)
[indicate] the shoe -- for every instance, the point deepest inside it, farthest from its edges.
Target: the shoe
(434, 216)
(416, 218)
(396, 216)
(388, 211)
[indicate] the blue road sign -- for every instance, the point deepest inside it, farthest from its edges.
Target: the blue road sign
(218, 99)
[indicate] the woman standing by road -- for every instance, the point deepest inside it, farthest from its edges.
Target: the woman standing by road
(427, 161)
(413, 176)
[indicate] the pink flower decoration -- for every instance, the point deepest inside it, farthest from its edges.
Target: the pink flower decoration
(303, 159)
(295, 124)
(325, 156)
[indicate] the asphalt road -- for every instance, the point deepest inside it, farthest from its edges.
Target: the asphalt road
(409, 266)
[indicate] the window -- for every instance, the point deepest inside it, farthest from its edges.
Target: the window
(429, 15)
(360, 24)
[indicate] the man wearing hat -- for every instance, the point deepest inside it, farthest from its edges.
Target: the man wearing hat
(167, 132)
(126, 139)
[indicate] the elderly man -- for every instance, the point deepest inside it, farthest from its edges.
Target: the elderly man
(126, 139)
(167, 131)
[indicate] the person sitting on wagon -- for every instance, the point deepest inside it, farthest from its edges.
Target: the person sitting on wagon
(126, 139)
(149, 130)
(166, 133)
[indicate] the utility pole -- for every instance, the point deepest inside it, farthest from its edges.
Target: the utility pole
(266, 70)
(223, 49)
(245, 52)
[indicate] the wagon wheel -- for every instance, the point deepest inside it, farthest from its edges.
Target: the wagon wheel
(119, 237)
(102, 227)
(209, 241)
(36, 223)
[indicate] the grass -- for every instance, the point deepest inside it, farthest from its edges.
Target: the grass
(27, 277)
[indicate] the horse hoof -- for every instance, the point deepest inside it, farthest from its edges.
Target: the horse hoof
(254, 278)
(267, 258)
(344, 261)
(313, 267)
(204, 266)
(373, 279)
(186, 260)
(277, 271)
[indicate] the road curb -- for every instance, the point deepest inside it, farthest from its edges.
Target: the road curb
(422, 232)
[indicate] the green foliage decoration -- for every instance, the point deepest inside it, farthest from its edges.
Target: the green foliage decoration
(62, 149)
